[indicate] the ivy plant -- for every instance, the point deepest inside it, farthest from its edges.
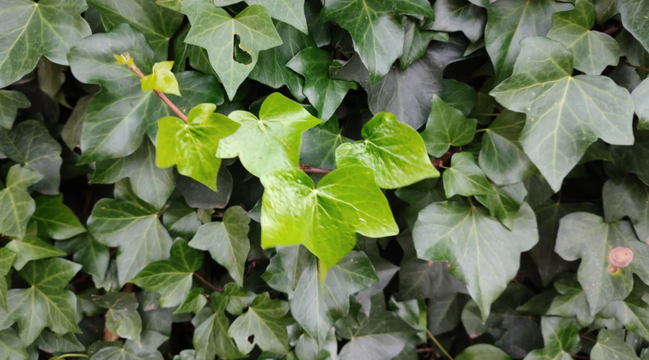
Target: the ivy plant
(324, 179)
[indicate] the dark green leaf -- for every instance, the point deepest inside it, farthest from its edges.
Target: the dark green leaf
(16, 203)
(261, 325)
(460, 15)
(10, 102)
(55, 219)
(446, 127)
(465, 178)
(122, 317)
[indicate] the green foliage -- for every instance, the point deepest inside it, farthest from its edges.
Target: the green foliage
(385, 179)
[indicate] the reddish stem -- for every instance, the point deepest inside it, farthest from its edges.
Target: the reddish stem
(440, 161)
(164, 210)
(208, 283)
(161, 95)
(314, 170)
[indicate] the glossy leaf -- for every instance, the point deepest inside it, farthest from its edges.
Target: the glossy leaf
(288, 11)
(446, 127)
(192, 144)
(460, 15)
(394, 151)
(32, 29)
(132, 225)
(465, 178)
(92, 255)
(324, 219)
(161, 79)
(10, 102)
(543, 88)
(218, 32)
(55, 219)
(227, 241)
(277, 130)
(482, 252)
(32, 248)
(262, 320)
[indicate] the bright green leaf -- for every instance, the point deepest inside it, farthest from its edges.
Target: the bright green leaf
(483, 352)
(161, 79)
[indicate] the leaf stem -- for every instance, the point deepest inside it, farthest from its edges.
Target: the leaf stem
(314, 170)
(208, 283)
(162, 96)
(438, 345)
(439, 162)
(587, 338)
(484, 114)
(633, 66)
(164, 210)
(70, 356)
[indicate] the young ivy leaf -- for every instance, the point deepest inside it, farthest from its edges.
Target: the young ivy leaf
(561, 338)
(557, 134)
(378, 36)
(122, 317)
(45, 303)
(323, 92)
(192, 145)
(277, 131)
(482, 252)
(10, 102)
(483, 352)
(325, 219)
(592, 51)
(132, 225)
(393, 150)
(465, 178)
(261, 325)
(18, 207)
(589, 237)
(288, 11)
(24, 41)
(161, 79)
(121, 114)
(251, 31)
(171, 278)
(227, 241)
(446, 127)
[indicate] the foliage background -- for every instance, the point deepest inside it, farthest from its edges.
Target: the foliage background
(533, 111)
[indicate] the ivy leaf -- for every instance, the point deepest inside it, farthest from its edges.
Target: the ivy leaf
(6, 261)
(31, 145)
(501, 156)
(71, 133)
(460, 15)
(172, 278)
(324, 93)
(319, 144)
(12, 349)
(161, 79)
(561, 338)
(394, 151)
(483, 352)
(324, 219)
(611, 345)
(16, 203)
(640, 96)
(416, 41)
(53, 343)
(277, 131)
(271, 67)
(120, 114)
(406, 93)
(227, 241)
(381, 335)
(459, 95)
(150, 183)
(378, 37)
(31, 248)
(144, 349)
(156, 23)
(219, 33)
(92, 255)
(132, 225)
(504, 204)
(316, 305)
(31, 29)
(10, 102)
(632, 312)
(543, 87)
(263, 321)
(465, 178)
(200, 196)
(181, 219)
(55, 219)
(633, 19)
(211, 336)
(45, 303)
(446, 127)
(592, 50)
(482, 252)
(511, 21)
(122, 317)
(571, 302)
(193, 303)
(238, 298)
(288, 11)
(589, 237)
(192, 144)
(628, 198)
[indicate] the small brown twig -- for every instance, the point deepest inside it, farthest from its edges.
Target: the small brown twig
(314, 170)
(131, 65)
(633, 66)
(440, 161)
(612, 29)
(215, 288)
(164, 210)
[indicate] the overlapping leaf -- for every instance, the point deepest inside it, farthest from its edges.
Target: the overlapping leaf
(261, 325)
(15, 201)
(10, 102)
(288, 11)
(56, 220)
(122, 317)
(446, 127)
